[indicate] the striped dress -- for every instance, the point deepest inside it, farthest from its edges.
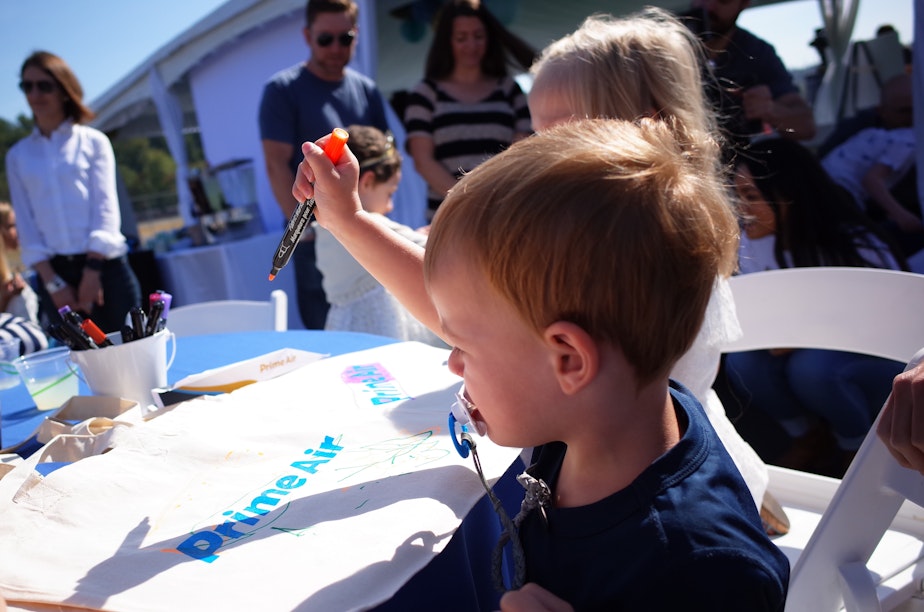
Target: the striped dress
(466, 134)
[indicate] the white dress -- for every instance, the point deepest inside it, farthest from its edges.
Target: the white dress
(697, 369)
(360, 303)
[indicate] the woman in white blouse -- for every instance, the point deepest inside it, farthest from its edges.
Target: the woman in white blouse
(63, 188)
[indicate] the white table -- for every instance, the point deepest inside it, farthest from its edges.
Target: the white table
(236, 270)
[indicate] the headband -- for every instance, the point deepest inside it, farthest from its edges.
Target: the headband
(389, 153)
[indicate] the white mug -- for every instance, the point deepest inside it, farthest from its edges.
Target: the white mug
(128, 370)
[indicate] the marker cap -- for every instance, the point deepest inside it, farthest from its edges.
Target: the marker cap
(334, 147)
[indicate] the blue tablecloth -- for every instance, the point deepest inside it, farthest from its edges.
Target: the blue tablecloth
(19, 418)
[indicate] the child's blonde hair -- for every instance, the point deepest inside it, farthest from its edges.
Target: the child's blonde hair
(647, 64)
(607, 224)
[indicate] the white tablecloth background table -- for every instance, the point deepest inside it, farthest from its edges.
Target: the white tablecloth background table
(236, 270)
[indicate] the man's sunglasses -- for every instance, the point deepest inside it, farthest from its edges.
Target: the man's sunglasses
(345, 39)
(45, 87)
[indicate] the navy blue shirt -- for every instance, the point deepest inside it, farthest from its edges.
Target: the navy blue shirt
(297, 106)
(747, 61)
(684, 535)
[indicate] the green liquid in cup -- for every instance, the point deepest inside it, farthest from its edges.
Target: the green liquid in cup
(49, 393)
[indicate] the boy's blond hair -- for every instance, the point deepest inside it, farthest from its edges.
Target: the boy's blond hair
(603, 223)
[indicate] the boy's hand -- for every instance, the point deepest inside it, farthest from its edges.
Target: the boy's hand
(334, 187)
(533, 598)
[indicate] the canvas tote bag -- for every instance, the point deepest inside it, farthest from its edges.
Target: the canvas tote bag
(325, 488)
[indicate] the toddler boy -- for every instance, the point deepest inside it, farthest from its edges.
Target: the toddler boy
(569, 273)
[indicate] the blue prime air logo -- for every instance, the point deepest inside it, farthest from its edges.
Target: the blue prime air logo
(372, 384)
(245, 521)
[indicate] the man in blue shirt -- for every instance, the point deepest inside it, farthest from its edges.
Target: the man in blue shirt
(305, 102)
(754, 93)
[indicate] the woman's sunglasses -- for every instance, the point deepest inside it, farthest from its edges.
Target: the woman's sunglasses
(345, 39)
(45, 87)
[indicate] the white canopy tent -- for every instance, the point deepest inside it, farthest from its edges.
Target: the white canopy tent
(211, 76)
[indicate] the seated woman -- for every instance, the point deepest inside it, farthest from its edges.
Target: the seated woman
(16, 294)
(796, 216)
(358, 302)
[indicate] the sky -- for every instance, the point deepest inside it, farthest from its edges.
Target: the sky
(104, 40)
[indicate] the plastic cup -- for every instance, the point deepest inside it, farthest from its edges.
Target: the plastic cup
(49, 375)
(9, 351)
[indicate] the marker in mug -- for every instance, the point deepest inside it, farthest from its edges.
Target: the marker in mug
(155, 314)
(302, 215)
(74, 330)
(138, 323)
(161, 296)
(95, 333)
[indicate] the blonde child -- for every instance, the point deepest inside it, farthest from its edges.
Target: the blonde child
(16, 295)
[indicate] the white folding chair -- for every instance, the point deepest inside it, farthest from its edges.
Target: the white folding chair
(220, 316)
(853, 544)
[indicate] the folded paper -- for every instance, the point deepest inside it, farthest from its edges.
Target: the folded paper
(234, 376)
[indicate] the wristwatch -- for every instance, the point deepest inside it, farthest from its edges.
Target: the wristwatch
(55, 285)
(93, 263)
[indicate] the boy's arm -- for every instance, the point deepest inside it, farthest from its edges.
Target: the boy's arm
(393, 260)
(875, 182)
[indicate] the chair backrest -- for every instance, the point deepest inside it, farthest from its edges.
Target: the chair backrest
(862, 310)
(221, 316)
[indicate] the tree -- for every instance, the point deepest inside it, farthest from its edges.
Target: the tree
(10, 133)
(144, 164)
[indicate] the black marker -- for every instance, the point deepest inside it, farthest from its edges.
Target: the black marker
(79, 340)
(137, 317)
(56, 331)
(154, 316)
(303, 212)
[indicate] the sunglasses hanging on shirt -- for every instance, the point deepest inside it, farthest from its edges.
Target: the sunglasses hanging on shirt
(345, 39)
(45, 87)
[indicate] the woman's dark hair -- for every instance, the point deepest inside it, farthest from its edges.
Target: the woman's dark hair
(817, 221)
(503, 46)
(61, 73)
(375, 151)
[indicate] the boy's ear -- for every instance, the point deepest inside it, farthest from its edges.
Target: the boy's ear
(575, 354)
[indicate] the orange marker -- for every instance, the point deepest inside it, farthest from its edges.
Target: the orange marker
(93, 330)
(304, 211)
